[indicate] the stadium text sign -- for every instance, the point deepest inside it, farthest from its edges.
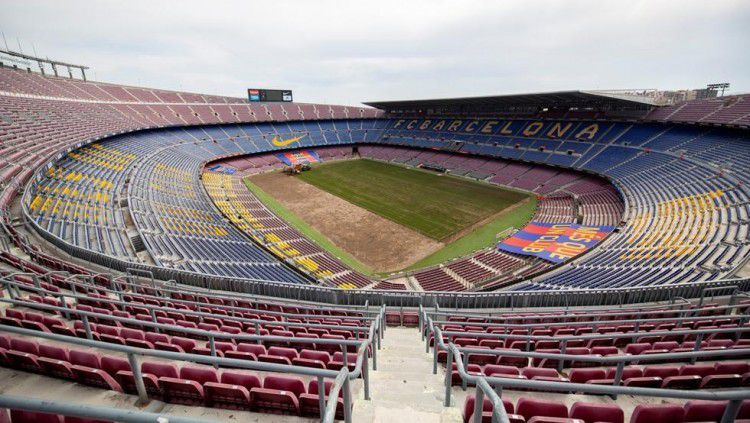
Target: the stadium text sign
(554, 242)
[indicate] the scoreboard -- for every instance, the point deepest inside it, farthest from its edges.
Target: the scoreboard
(257, 94)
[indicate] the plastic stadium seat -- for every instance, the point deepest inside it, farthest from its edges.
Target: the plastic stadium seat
(188, 388)
(600, 413)
(731, 367)
(312, 358)
(540, 373)
(95, 377)
(186, 344)
(54, 361)
(636, 349)
(500, 371)
(279, 395)
(667, 413)
(19, 416)
(486, 409)
(530, 407)
(85, 358)
(151, 373)
(585, 375)
(23, 353)
(309, 402)
(704, 411)
(232, 392)
(112, 365)
(721, 381)
(279, 355)
(337, 361)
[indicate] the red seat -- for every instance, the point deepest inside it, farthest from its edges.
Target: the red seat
(279, 395)
(279, 355)
(309, 402)
(151, 373)
(601, 413)
(85, 358)
(540, 373)
(731, 367)
(721, 381)
(23, 354)
(487, 409)
(639, 348)
(232, 392)
(312, 358)
(337, 361)
(585, 375)
(530, 407)
(186, 344)
(661, 371)
(188, 388)
(112, 365)
(95, 377)
(54, 361)
(19, 416)
(704, 411)
(496, 370)
(667, 413)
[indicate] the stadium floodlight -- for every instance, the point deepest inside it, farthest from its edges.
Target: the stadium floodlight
(718, 86)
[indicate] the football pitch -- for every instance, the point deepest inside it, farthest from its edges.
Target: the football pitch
(437, 206)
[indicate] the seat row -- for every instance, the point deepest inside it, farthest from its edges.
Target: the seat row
(530, 410)
(690, 376)
(188, 384)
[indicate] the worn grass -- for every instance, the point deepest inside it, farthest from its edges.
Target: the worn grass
(308, 231)
(437, 206)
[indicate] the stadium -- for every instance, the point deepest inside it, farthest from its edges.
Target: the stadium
(552, 256)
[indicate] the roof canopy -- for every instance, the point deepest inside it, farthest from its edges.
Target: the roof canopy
(560, 100)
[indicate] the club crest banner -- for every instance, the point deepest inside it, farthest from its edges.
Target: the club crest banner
(554, 242)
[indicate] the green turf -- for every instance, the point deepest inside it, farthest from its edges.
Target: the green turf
(437, 206)
(306, 229)
(481, 237)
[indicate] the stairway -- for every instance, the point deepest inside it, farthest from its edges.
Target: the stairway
(403, 389)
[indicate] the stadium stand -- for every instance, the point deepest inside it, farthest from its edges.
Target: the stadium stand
(123, 179)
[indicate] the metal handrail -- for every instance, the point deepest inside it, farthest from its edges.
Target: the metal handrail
(90, 411)
(133, 352)
(154, 308)
(734, 396)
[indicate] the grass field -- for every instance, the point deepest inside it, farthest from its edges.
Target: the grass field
(437, 206)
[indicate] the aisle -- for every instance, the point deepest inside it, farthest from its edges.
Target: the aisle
(404, 388)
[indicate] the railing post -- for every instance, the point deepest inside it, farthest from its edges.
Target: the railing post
(478, 405)
(153, 318)
(139, 386)
(730, 412)
(465, 360)
(87, 327)
(63, 304)
(618, 376)
(374, 357)
(697, 346)
(448, 368)
(257, 332)
(561, 363)
(212, 347)
(347, 400)
(365, 377)
(321, 397)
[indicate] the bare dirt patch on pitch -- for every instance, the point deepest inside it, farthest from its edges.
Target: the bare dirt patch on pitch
(377, 242)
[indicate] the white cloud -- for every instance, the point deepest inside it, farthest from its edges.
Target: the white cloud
(352, 51)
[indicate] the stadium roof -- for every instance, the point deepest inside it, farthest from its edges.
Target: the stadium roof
(551, 100)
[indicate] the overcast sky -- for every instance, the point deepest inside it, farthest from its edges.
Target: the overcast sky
(347, 52)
